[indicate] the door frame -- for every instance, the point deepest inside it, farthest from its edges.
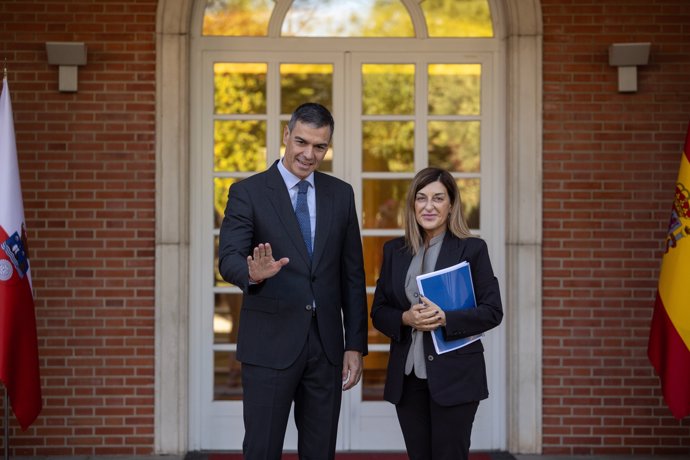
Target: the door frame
(518, 25)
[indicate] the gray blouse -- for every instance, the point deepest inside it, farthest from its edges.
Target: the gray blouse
(422, 262)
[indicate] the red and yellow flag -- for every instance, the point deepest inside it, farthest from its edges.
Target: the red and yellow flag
(669, 337)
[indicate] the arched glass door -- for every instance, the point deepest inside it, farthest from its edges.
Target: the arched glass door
(410, 84)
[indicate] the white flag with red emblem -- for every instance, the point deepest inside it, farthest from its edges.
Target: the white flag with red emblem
(18, 342)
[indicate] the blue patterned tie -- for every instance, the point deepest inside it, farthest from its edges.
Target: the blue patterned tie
(302, 212)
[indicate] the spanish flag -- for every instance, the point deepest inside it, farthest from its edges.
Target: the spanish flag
(669, 337)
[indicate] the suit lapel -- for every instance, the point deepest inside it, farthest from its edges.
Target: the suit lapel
(324, 217)
(280, 199)
(401, 263)
(451, 253)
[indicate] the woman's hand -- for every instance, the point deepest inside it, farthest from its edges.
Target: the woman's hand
(424, 316)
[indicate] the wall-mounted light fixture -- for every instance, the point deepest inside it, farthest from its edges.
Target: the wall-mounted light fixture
(68, 55)
(627, 56)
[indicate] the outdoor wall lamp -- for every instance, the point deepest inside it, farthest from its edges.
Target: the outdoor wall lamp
(68, 56)
(627, 56)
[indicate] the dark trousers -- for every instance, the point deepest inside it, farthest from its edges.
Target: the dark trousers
(315, 387)
(433, 432)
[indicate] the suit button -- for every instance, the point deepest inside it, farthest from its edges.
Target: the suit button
(430, 357)
(307, 307)
(313, 279)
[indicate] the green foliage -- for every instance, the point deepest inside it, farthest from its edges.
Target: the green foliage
(238, 91)
(240, 146)
(335, 18)
(389, 18)
(237, 17)
(305, 83)
(455, 92)
(458, 18)
(388, 89)
(454, 145)
(388, 146)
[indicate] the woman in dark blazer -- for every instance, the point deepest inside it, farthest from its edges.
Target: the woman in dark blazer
(435, 396)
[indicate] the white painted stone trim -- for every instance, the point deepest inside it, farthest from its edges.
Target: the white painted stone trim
(524, 224)
(172, 227)
(523, 33)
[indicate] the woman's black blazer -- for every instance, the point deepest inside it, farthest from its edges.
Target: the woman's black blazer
(458, 376)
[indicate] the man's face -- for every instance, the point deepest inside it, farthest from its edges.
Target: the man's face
(305, 147)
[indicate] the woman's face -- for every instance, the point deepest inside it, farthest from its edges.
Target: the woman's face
(431, 209)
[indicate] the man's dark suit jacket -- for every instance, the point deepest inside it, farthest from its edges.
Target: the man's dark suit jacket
(458, 376)
(276, 314)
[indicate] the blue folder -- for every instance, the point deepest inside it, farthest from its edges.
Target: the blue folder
(451, 289)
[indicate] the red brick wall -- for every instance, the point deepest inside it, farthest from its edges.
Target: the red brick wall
(610, 165)
(87, 163)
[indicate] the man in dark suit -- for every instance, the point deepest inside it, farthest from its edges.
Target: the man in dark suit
(303, 324)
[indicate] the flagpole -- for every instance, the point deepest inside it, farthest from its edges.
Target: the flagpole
(6, 403)
(6, 444)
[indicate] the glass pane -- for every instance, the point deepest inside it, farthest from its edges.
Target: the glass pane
(225, 317)
(239, 146)
(454, 89)
(454, 145)
(227, 380)
(458, 18)
(300, 83)
(221, 186)
(374, 377)
(388, 146)
(237, 17)
(239, 88)
(373, 256)
(218, 280)
(469, 195)
(327, 162)
(352, 18)
(388, 89)
(383, 203)
(374, 335)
